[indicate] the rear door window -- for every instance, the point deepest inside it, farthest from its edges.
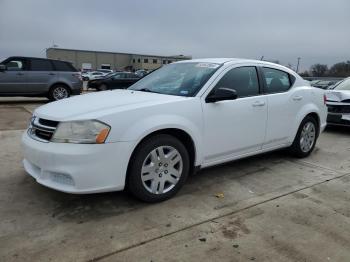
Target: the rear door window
(40, 65)
(276, 81)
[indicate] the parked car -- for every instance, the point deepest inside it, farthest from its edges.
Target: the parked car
(324, 84)
(338, 103)
(141, 72)
(30, 76)
(120, 80)
(105, 71)
(92, 75)
(185, 116)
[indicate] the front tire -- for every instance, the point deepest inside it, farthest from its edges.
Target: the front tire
(158, 168)
(305, 140)
(58, 92)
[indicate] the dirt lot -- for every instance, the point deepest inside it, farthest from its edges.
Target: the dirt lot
(275, 208)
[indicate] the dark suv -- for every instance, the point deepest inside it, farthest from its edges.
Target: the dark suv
(29, 76)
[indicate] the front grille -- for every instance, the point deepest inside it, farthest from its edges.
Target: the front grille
(49, 123)
(338, 108)
(42, 129)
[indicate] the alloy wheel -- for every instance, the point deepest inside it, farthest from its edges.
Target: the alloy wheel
(60, 93)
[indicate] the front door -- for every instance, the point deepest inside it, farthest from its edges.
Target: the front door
(235, 127)
(14, 79)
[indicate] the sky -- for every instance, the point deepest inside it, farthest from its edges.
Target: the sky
(317, 31)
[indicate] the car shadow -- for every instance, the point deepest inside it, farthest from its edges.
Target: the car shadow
(84, 208)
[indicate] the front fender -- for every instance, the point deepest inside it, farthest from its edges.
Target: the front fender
(146, 126)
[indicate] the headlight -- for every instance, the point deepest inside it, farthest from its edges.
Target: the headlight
(81, 132)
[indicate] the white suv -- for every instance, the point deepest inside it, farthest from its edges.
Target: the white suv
(184, 116)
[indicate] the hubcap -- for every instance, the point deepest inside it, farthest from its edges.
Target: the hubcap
(60, 93)
(307, 137)
(161, 170)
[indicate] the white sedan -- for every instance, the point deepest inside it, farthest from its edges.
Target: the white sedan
(338, 103)
(185, 116)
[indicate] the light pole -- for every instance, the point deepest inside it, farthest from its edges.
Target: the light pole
(298, 64)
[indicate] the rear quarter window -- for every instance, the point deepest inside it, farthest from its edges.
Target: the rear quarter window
(277, 81)
(63, 66)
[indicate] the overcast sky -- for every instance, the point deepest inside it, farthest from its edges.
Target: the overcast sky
(315, 30)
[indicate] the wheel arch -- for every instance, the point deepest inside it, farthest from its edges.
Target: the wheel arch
(183, 136)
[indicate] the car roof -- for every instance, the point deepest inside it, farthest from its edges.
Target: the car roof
(228, 60)
(29, 57)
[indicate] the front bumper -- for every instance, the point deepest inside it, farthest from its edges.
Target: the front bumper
(77, 168)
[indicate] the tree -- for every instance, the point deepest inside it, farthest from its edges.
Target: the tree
(319, 70)
(305, 74)
(340, 69)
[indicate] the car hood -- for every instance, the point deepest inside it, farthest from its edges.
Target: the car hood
(338, 95)
(101, 103)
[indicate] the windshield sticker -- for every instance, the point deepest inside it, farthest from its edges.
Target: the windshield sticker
(208, 65)
(184, 92)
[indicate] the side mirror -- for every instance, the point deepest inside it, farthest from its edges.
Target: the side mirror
(2, 67)
(220, 94)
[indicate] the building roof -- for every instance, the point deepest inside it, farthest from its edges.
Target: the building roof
(109, 52)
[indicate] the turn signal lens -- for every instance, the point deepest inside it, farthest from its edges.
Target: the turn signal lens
(101, 137)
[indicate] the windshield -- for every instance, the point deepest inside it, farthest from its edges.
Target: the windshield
(344, 85)
(182, 79)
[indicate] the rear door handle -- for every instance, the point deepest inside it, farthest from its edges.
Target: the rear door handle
(52, 74)
(297, 98)
(258, 103)
(20, 74)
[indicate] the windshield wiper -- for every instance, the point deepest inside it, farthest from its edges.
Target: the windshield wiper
(145, 89)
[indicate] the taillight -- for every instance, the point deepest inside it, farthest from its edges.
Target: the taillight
(78, 75)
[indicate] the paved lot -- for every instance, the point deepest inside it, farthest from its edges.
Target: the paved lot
(275, 208)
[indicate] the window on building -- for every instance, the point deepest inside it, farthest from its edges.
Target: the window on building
(164, 62)
(242, 79)
(40, 65)
(169, 61)
(133, 60)
(139, 60)
(155, 61)
(145, 60)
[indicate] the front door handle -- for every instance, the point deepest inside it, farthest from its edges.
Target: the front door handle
(20, 74)
(258, 103)
(52, 74)
(297, 98)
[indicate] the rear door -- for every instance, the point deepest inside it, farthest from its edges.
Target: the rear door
(14, 79)
(40, 76)
(284, 103)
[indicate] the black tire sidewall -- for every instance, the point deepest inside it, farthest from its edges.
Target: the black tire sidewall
(134, 182)
(296, 148)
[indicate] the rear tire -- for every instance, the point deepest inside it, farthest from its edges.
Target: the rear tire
(58, 92)
(158, 168)
(102, 87)
(306, 138)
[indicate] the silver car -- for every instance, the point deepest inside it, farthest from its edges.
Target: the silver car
(29, 76)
